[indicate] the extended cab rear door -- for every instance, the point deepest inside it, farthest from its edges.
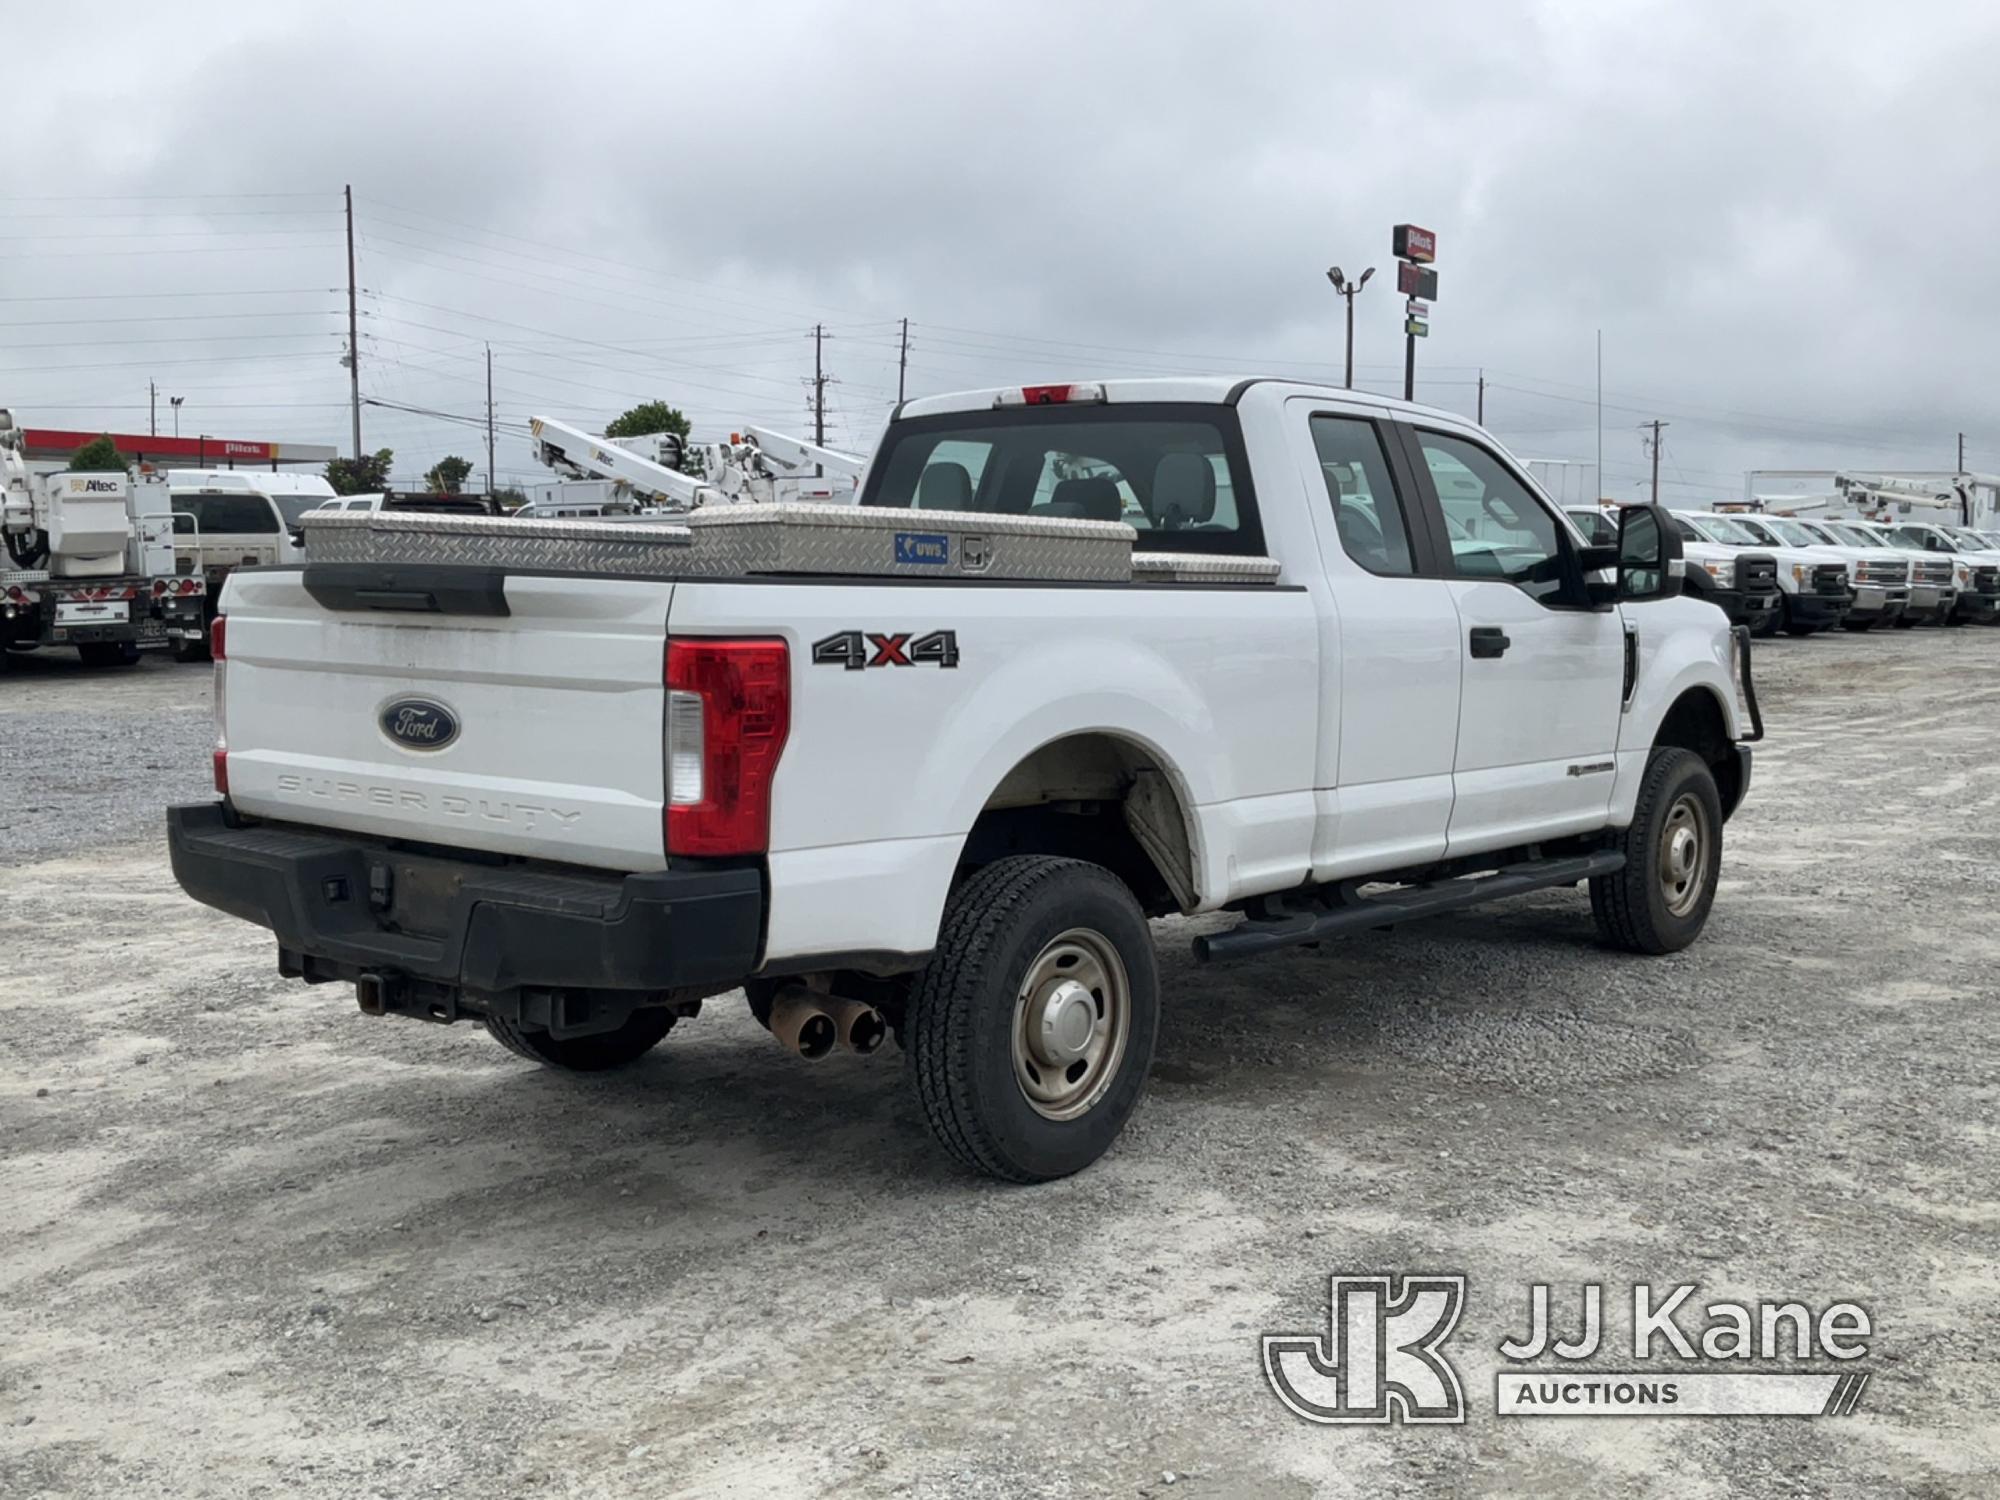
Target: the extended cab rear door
(1541, 697)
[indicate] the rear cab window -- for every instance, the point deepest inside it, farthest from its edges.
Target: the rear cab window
(1176, 473)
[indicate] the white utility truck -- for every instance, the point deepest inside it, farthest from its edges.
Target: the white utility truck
(225, 519)
(1744, 587)
(86, 560)
(1081, 655)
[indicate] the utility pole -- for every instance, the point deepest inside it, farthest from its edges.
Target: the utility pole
(1600, 413)
(353, 328)
(1961, 453)
(1482, 398)
(1350, 290)
(903, 369)
(1653, 446)
(819, 386)
(492, 481)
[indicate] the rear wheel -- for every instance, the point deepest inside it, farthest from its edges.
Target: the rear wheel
(190, 648)
(1031, 1030)
(642, 1032)
(1673, 856)
(1858, 625)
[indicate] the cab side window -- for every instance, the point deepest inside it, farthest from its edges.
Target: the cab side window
(1366, 509)
(1498, 529)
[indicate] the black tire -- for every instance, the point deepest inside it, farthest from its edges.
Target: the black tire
(108, 653)
(1636, 908)
(962, 1016)
(1905, 622)
(1858, 625)
(642, 1032)
(189, 649)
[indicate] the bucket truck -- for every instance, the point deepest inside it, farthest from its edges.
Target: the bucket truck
(755, 465)
(89, 560)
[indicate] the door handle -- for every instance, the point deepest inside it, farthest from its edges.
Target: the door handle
(1489, 640)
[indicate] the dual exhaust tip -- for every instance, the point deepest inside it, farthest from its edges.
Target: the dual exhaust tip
(812, 1024)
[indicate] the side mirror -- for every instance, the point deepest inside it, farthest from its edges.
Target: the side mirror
(1650, 564)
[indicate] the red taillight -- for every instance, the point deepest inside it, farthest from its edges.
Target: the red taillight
(221, 754)
(729, 709)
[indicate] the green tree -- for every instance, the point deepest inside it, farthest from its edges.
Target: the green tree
(649, 416)
(447, 476)
(367, 475)
(98, 456)
(511, 497)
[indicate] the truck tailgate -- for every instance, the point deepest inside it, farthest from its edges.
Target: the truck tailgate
(549, 741)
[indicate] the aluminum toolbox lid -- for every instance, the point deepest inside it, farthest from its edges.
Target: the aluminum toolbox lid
(801, 537)
(722, 541)
(620, 548)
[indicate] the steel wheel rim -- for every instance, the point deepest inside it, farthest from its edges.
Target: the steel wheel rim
(1072, 1018)
(1683, 857)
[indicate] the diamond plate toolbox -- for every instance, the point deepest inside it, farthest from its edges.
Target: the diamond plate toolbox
(727, 541)
(1202, 567)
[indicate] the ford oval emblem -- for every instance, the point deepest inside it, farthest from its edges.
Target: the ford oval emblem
(419, 724)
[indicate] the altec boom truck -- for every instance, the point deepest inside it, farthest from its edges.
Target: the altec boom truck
(89, 560)
(755, 465)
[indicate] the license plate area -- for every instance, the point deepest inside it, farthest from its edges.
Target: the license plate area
(421, 895)
(92, 612)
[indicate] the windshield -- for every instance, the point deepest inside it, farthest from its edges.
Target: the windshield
(1174, 473)
(1792, 534)
(1855, 536)
(1970, 541)
(1924, 539)
(1723, 529)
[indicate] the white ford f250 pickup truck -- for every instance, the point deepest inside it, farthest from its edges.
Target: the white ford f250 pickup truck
(1081, 655)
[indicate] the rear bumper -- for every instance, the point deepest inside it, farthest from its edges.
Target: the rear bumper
(344, 907)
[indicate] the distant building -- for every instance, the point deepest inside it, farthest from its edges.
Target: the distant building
(49, 448)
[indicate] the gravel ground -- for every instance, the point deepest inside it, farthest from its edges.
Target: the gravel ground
(255, 1243)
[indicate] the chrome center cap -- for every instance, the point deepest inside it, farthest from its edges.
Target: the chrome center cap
(1066, 1020)
(1681, 852)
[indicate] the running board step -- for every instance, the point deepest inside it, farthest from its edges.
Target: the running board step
(1403, 904)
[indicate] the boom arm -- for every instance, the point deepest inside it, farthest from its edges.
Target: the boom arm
(569, 450)
(795, 455)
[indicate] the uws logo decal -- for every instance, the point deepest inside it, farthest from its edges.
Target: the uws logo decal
(419, 723)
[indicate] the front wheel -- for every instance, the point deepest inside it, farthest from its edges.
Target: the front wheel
(642, 1031)
(1032, 1028)
(1673, 857)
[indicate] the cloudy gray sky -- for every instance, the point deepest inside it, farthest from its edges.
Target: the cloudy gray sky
(1780, 215)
